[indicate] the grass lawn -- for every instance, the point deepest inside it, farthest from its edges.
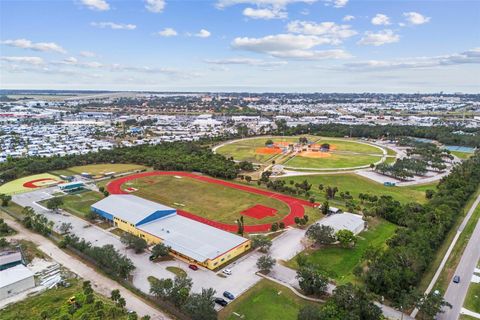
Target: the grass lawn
(339, 262)
(16, 186)
(212, 201)
(267, 301)
(462, 155)
(350, 146)
(54, 303)
(472, 301)
(177, 271)
(79, 204)
(336, 160)
(356, 184)
(97, 169)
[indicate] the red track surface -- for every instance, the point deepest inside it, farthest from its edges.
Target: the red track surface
(295, 205)
(33, 183)
(259, 212)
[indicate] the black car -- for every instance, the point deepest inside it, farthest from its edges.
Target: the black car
(221, 301)
(456, 279)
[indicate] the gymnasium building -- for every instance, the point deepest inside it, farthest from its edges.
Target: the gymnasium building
(188, 239)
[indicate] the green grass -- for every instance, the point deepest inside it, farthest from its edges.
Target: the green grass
(339, 262)
(212, 201)
(344, 145)
(98, 169)
(177, 271)
(356, 184)
(79, 204)
(462, 155)
(16, 186)
(472, 301)
(334, 161)
(267, 301)
(54, 302)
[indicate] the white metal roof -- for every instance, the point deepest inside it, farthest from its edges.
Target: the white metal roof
(13, 275)
(192, 238)
(349, 221)
(129, 207)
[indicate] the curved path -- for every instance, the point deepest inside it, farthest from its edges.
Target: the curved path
(295, 205)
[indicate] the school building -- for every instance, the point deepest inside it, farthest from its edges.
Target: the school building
(188, 239)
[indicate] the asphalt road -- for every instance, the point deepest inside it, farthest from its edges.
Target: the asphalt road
(456, 292)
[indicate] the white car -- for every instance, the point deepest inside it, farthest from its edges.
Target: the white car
(227, 271)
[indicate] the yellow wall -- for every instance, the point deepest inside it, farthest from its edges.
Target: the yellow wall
(210, 264)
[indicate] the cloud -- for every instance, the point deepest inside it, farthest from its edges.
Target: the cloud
(167, 32)
(246, 61)
(336, 3)
(72, 61)
(265, 14)
(221, 4)
(379, 38)
(467, 57)
(330, 31)
(98, 5)
(113, 25)
(416, 18)
(39, 46)
(24, 60)
(289, 46)
(155, 6)
(348, 18)
(87, 54)
(380, 20)
(203, 34)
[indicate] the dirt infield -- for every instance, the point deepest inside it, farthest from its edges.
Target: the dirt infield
(314, 154)
(295, 205)
(267, 150)
(259, 212)
(38, 183)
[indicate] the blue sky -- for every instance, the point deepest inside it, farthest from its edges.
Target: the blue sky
(251, 45)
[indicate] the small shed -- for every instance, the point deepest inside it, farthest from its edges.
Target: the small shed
(348, 221)
(15, 280)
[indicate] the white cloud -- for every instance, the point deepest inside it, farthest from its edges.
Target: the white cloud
(246, 61)
(265, 14)
(38, 46)
(336, 3)
(167, 32)
(155, 6)
(416, 18)
(467, 57)
(99, 5)
(380, 20)
(87, 54)
(72, 61)
(24, 60)
(203, 34)
(330, 31)
(348, 18)
(379, 38)
(289, 46)
(261, 3)
(113, 25)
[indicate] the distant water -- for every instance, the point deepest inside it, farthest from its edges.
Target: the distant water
(460, 149)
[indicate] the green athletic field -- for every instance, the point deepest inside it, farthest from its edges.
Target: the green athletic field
(212, 201)
(99, 169)
(16, 186)
(267, 301)
(334, 161)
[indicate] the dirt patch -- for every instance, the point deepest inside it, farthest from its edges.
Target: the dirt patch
(319, 145)
(283, 143)
(314, 154)
(267, 150)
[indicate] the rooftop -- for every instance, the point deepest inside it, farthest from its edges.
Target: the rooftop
(13, 275)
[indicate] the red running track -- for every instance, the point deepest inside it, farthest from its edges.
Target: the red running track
(295, 205)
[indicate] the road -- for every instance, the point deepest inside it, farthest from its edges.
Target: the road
(100, 283)
(456, 292)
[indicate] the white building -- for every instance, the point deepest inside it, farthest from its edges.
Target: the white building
(342, 221)
(15, 280)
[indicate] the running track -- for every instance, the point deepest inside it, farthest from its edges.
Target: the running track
(295, 205)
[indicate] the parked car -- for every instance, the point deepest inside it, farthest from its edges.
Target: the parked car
(221, 301)
(228, 295)
(456, 279)
(193, 267)
(227, 271)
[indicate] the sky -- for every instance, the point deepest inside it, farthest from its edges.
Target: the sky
(241, 45)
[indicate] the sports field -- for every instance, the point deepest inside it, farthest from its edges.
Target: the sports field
(29, 183)
(100, 169)
(79, 204)
(339, 262)
(216, 202)
(342, 153)
(267, 301)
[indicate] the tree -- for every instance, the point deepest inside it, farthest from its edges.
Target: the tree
(240, 226)
(115, 295)
(89, 298)
(134, 242)
(248, 178)
(325, 208)
(265, 263)
(274, 226)
(262, 242)
(431, 304)
(309, 312)
(160, 250)
(269, 142)
(54, 203)
(346, 238)
(321, 234)
(311, 280)
(429, 193)
(3, 243)
(5, 199)
(201, 306)
(65, 227)
(121, 303)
